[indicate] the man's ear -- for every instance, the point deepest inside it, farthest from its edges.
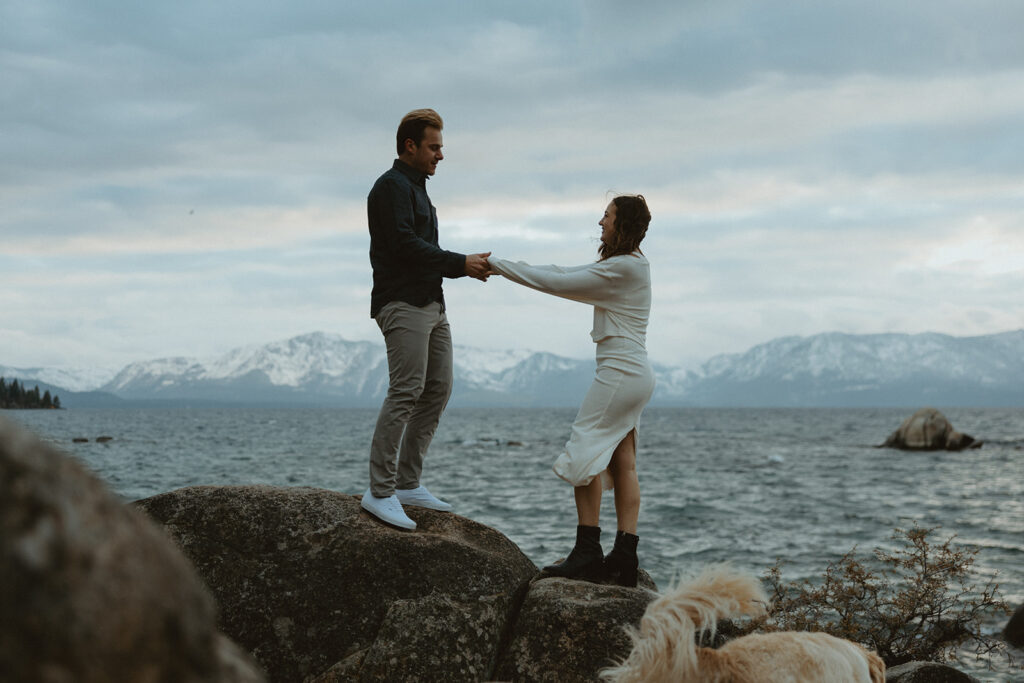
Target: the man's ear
(410, 146)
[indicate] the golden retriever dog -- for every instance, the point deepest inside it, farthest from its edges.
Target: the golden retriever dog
(664, 647)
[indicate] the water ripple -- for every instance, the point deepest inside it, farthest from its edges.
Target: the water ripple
(745, 486)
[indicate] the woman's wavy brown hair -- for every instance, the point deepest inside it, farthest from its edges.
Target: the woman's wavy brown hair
(631, 220)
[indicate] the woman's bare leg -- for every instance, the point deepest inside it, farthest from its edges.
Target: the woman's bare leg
(622, 468)
(588, 503)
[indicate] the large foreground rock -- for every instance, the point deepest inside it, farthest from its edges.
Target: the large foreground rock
(318, 590)
(91, 590)
(929, 430)
(568, 631)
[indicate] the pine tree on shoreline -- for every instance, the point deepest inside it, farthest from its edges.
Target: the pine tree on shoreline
(16, 396)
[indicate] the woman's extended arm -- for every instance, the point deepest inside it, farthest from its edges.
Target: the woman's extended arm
(593, 283)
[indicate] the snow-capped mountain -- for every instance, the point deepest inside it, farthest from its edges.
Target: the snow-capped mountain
(830, 369)
(837, 369)
(305, 366)
(70, 379)
(322, 367)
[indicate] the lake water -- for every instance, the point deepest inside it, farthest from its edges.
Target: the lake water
(745, 485)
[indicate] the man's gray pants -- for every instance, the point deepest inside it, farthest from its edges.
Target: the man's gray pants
(419, 346)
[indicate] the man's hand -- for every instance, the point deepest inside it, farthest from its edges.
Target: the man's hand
(478, 267)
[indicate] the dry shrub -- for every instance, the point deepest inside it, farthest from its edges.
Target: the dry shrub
(916, 603)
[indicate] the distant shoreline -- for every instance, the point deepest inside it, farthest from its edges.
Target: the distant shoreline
(14, 396)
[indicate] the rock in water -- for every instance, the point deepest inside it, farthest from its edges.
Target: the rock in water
(320, 591)
(91, 590)
(929, 430)
(1014, 631)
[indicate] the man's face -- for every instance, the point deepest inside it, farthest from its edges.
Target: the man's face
(424, 157)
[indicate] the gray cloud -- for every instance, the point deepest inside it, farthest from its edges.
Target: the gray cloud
(810, 166)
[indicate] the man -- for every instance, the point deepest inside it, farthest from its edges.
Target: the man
(408, 305)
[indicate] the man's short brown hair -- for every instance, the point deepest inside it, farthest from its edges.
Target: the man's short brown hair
(413, 124)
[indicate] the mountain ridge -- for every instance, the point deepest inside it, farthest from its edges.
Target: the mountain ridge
(827, 369)
(835, 368)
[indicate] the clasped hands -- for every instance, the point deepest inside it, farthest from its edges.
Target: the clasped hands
(478, 267)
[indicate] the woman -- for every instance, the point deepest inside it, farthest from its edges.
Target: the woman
(602, 448)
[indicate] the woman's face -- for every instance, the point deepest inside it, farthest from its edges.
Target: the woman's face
(607, 224)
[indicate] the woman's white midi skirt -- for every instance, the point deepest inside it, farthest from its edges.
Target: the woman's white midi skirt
(610, 411)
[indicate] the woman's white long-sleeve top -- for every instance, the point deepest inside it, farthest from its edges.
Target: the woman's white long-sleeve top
(619, 288)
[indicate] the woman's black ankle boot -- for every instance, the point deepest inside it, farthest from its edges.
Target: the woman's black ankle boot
(622, 564)
(586, 561)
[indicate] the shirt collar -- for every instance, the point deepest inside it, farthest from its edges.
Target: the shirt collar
(410, 172)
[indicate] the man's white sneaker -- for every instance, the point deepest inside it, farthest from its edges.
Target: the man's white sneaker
(423, 498)
(387, 510)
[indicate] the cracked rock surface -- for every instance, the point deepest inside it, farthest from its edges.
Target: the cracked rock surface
(318, 590)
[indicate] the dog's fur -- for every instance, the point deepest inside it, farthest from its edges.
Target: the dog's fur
(664, 648)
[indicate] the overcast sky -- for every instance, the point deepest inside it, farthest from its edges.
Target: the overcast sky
(185, 178)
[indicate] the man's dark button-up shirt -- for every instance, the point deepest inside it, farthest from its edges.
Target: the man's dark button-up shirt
(407, 263)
